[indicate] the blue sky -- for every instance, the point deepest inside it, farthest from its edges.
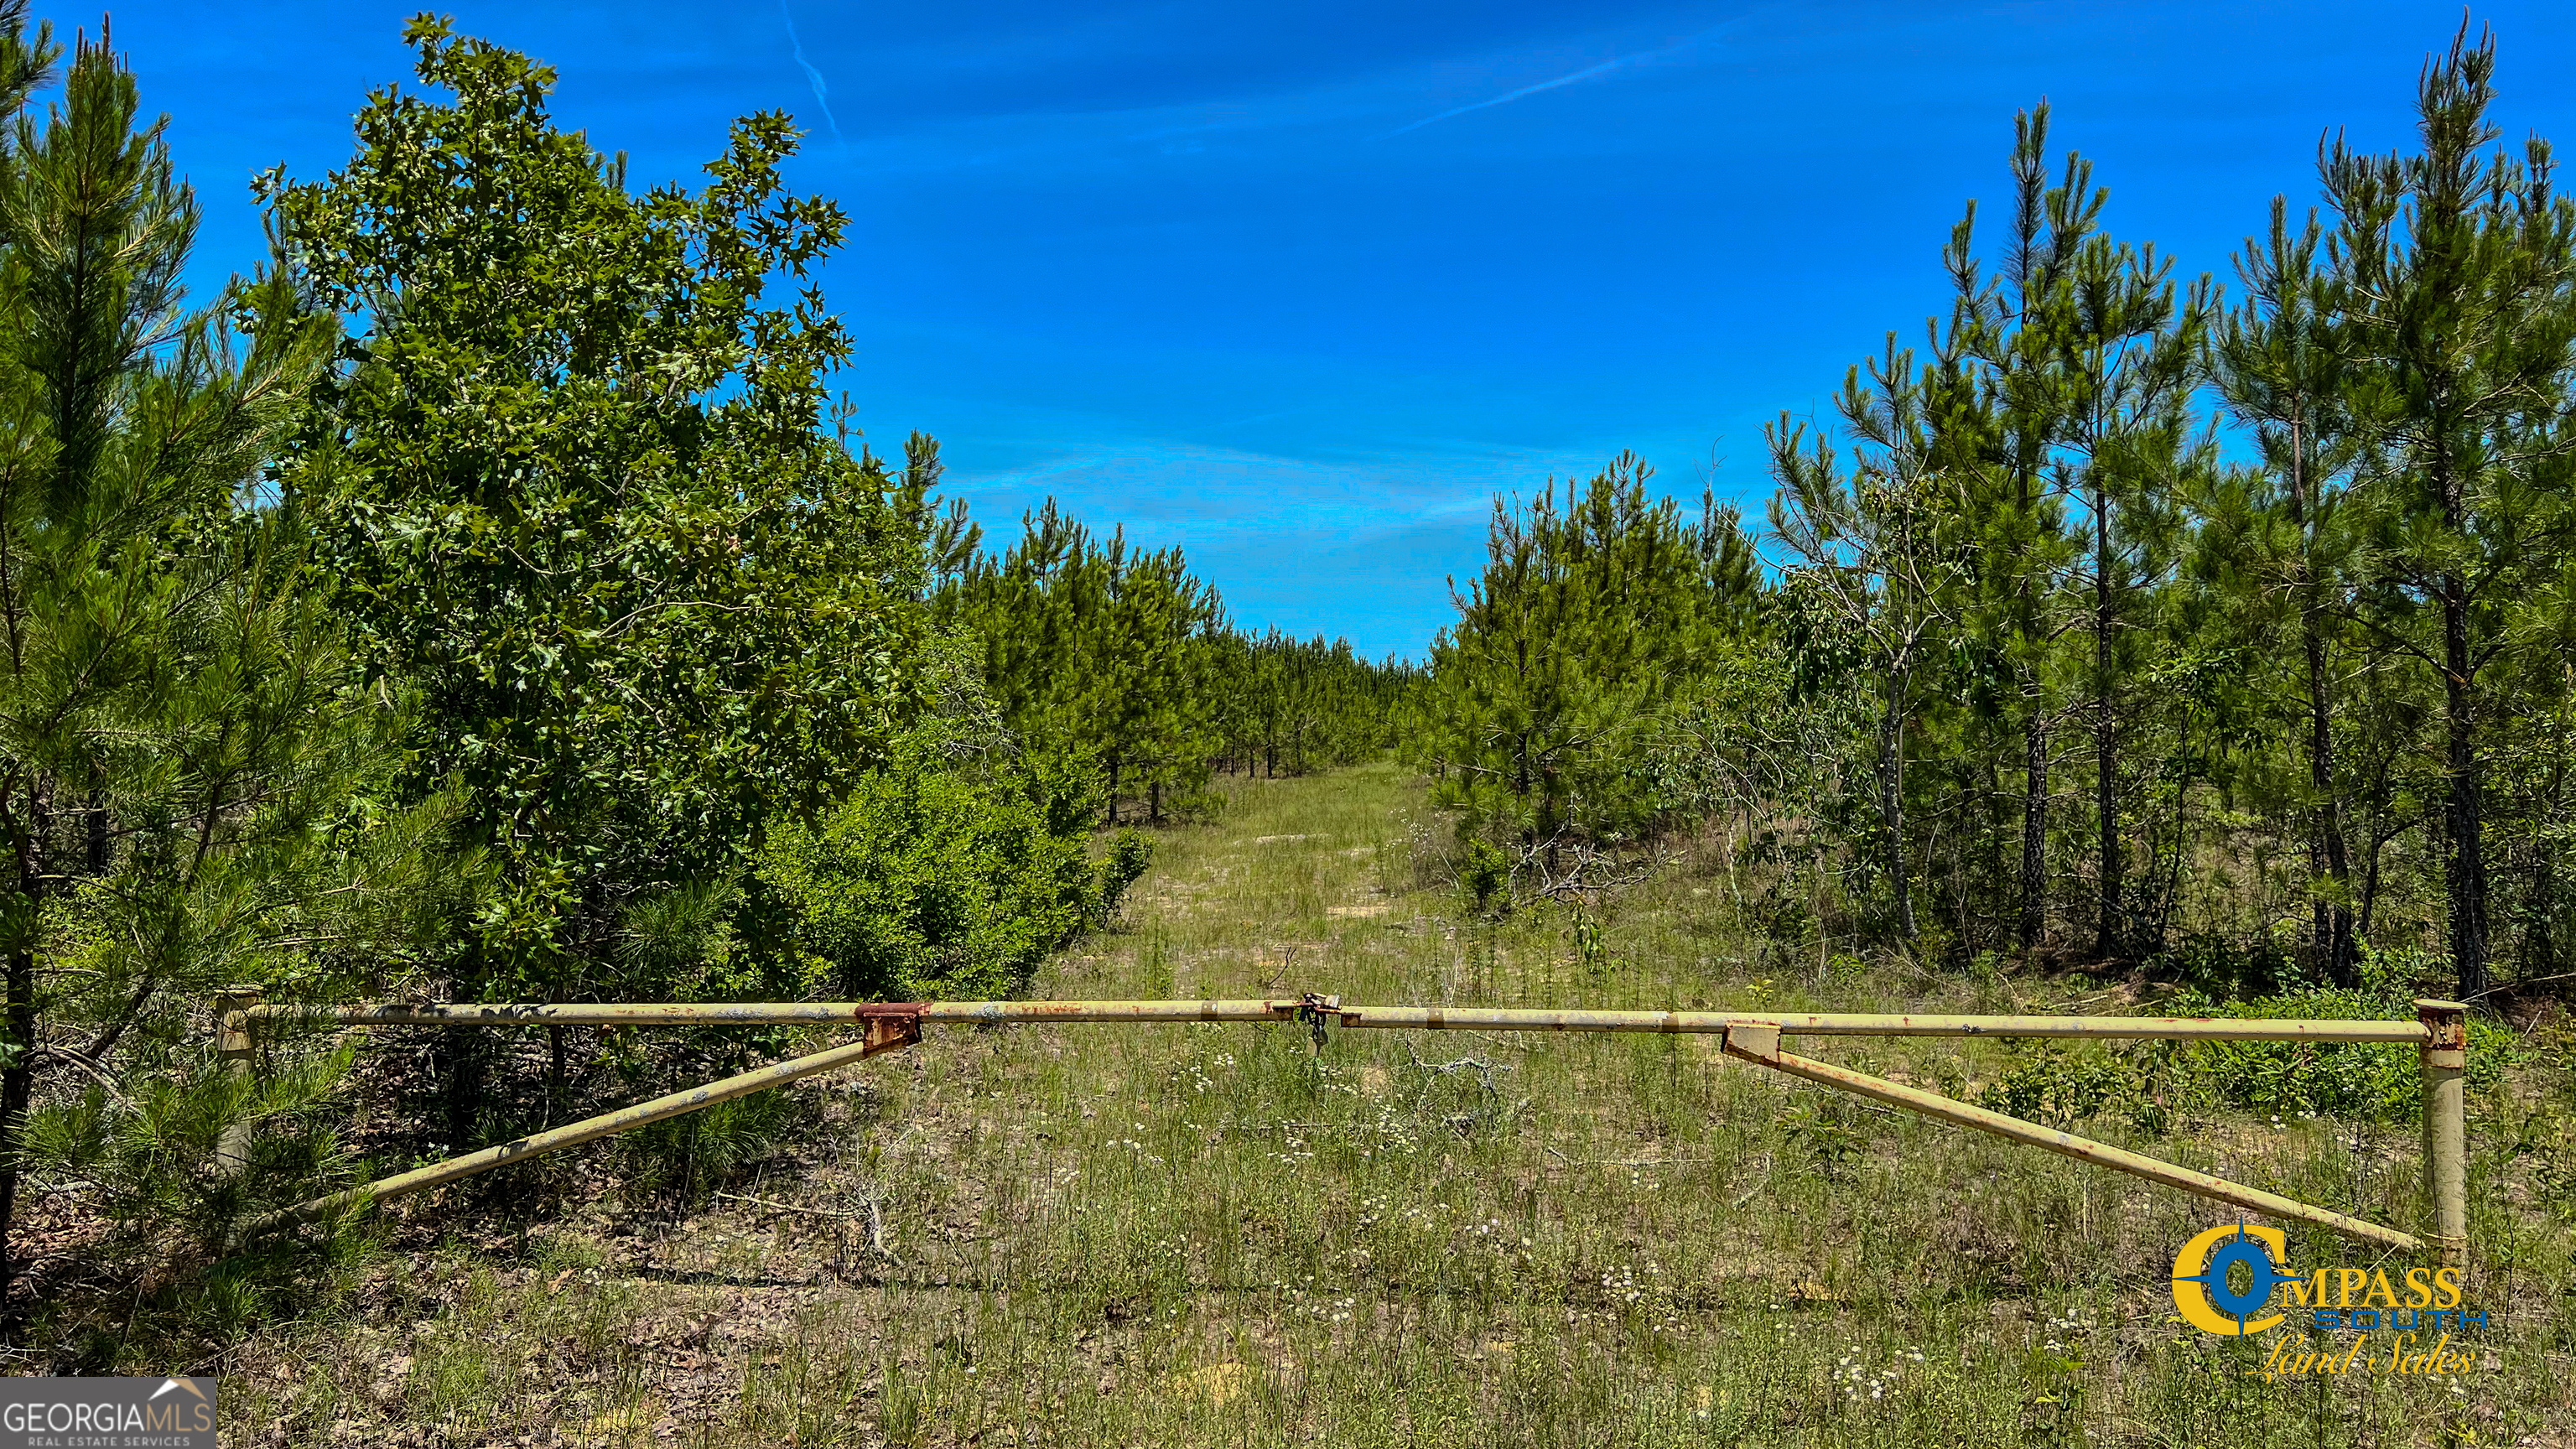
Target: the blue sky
(1301, 288)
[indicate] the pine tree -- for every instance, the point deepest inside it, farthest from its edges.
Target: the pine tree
(2457, 265)
(2065, 381)
(2130, 356)
(1590, 614)
(2277, 360)
(1880, 554)
(2005, 403)
(182, 754)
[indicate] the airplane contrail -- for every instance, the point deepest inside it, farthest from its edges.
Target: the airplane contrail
(1547, 85)
(822, 92)
(1585, 74)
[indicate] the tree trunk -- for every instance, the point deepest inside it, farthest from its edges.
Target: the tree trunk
(18, 1014)
(2540, 942)
(2466, 867)
(554, 1073)
(459, 1062)
(2162, 920)
(2109, 924)
(2463, 816)
(1996, 869)
(2034, 831)
(2034, 803)
(1891, 802)
(17, 1091)
(2108, 927)
(1551, 829)
(2336, 950)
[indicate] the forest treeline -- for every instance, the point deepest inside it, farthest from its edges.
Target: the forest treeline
(487, 600)
(1119, 654)
(2119, 618)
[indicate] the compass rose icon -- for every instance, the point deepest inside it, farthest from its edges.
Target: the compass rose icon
(2204, 1277)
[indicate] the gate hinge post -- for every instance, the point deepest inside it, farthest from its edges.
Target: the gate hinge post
(1758, 1040)
(2446, 1127)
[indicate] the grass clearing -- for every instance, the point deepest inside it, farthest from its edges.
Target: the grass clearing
(1104, 1235)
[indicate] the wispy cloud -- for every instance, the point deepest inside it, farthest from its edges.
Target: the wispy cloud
(1260, 122)
(1182, 492)
(822, 92)
(1591, 72)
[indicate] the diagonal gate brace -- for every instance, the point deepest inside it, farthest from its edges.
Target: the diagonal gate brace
(2439, 1032)
(888, 1028)
(1759, 1042)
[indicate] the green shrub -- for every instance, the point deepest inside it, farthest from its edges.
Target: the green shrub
(689, 1157)
(931, 885)
(2220, 969)
(2341, 1079)
(1129, 853)
(2063, 1086)
(2142, 1082)
(1822, 1130)
(1485, 875)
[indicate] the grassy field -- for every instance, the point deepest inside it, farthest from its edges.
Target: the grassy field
(1169, 1235)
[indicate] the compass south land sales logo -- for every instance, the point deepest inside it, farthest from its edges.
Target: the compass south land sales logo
(2232, 1281)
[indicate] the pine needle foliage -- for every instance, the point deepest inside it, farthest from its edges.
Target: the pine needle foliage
(190, 780)
(2040, 671)
(1592, 609)
(1119, 661)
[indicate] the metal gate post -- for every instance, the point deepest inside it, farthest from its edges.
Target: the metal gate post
(2446, 1126)
(234, 1050)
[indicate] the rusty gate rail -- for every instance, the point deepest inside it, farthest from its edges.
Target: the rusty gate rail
(1430, 1018)
(2439, 1032)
